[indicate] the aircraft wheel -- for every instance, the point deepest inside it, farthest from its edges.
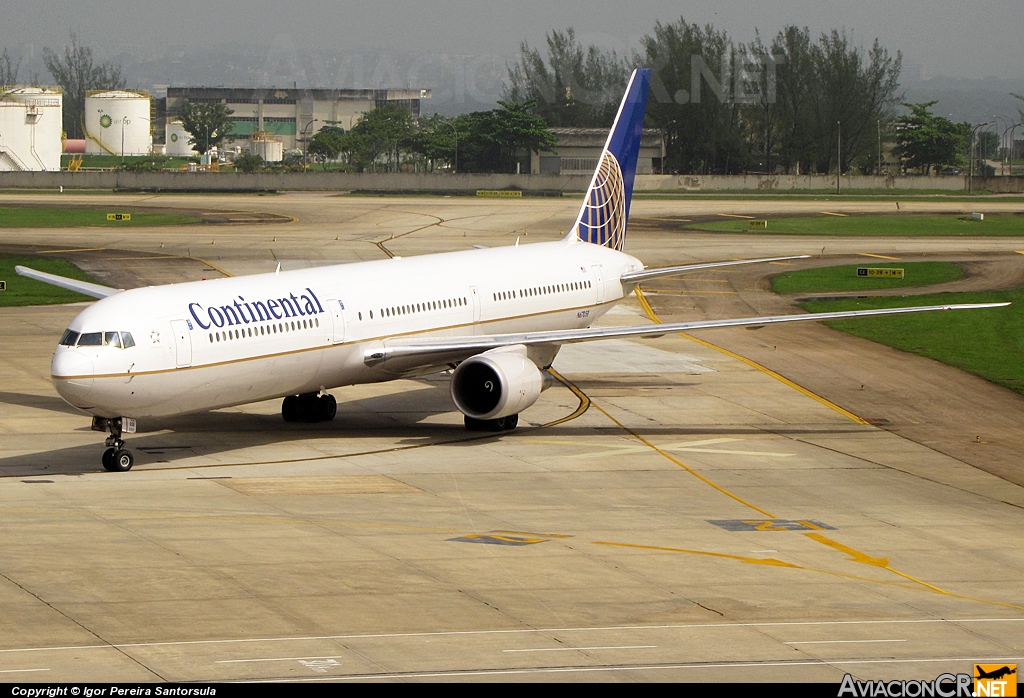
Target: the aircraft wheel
(327, 408)
(122, 461)
(108, 459)
(291, 408)
(499, 424)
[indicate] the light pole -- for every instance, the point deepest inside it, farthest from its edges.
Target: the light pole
(839, 155)
(970, 172)
(455, 166)
(124, 122)
(1012, 129)
(999, 121)
(879, 121)
(305, 140)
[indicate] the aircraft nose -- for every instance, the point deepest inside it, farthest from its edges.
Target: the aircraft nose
(72, 373)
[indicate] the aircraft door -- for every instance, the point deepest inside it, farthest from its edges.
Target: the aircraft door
(476, 303)
(599, 282)
(182, 343)
(337, 311)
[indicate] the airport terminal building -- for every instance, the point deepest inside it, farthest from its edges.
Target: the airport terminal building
(290, 115)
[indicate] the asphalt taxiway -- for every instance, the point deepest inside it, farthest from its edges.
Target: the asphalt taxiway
(669, 511)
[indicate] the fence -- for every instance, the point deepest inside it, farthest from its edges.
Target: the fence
(470, 183)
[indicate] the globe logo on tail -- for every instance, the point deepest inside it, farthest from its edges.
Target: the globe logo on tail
(603, 218)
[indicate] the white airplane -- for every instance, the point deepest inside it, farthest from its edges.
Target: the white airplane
(497, 316)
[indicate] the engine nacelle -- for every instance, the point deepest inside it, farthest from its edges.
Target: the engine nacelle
(498, 383)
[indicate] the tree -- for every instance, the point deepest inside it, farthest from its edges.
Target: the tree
(76, 72)
(794, 83)
(490, 140)
(8, 70)
(208, 124)
(573, 87)
(435, 139)
(379, 132)
(856, 93)
(924, 140)
(988, 145)
(249, 163)
(691, 97)
(327, 143)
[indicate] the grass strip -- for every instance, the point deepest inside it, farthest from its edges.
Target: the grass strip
(844, 278)
(59, 217)
(894, 225)
(987, 342)
(22, 291)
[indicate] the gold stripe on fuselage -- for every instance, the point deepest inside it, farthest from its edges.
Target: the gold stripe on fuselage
(330, 346)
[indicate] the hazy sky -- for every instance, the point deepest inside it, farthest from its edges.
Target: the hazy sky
(946, 37)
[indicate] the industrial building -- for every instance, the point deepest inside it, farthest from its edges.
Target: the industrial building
(288, 116)
(31, 124)
(578, 151)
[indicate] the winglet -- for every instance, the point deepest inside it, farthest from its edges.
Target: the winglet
(84, 287)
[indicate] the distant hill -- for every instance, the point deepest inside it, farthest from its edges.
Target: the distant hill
(963, 99)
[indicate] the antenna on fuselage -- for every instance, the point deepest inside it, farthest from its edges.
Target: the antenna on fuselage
(278, 270)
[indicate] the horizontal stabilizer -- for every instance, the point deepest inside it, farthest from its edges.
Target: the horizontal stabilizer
(84, 287)
(450, 349)
(635, 277)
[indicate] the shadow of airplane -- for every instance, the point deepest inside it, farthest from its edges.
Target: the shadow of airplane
(397, 418)
(50, 403)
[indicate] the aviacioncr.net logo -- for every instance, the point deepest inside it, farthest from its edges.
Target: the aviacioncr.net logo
(942, 686)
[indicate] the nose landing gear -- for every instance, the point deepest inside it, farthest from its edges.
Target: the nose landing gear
(116, 459)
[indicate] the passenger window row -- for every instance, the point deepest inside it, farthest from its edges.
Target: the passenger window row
(263, 330)
(541, 290)
(412, 308)
(121, 340)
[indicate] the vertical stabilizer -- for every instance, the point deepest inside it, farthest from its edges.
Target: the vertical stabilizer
(602, 219)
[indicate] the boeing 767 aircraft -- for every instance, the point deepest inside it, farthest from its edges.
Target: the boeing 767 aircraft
(499, 316)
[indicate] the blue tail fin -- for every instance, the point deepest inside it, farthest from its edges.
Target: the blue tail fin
(602, 220)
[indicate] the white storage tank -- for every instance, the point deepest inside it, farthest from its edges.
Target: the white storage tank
(177, 140)
(117, 123)
(31, 125)
(267, 147)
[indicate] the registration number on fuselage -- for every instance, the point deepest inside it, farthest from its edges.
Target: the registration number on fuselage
(583, 314)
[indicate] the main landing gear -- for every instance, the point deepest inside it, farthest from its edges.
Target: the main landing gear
(309, 407)
(500, 424)
(116, 459)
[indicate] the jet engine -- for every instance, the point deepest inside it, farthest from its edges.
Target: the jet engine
(497, 383)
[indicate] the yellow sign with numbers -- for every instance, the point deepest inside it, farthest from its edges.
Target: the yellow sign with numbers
(875, 272)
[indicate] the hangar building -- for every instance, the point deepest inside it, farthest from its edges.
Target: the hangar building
(289, 115)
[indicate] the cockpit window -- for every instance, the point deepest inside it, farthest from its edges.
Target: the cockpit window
(126, 338)
(112, 339)
(69, 338)
(91, 339)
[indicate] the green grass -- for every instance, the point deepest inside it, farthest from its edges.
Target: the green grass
(22, 291)
(844, 278)
(986, 342)
(59, 217)
(830, 195)
(896, 225)
(114, 161)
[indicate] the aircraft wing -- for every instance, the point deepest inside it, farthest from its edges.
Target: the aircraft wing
(448, 349)
(94, 290)
(635, 277)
